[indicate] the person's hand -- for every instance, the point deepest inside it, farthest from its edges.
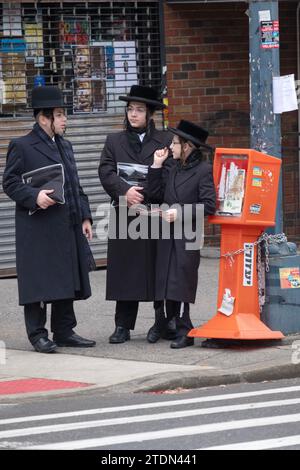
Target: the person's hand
(87, 229)
(170, 215)
(43, 200)
(160, 156)
(134, 196)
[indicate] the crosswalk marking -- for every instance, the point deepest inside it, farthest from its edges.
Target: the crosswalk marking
(144, 418)
(117, 409)
(277, 443)
(165, 434)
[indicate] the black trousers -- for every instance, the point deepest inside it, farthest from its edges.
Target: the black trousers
(181, 312)
(127, 310)
(63, 320)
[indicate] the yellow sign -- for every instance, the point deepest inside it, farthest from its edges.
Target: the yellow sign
(34, 43)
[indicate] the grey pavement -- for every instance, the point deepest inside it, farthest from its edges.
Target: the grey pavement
(137, 365)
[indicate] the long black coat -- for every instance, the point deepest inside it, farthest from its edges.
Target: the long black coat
(46, 253)
(177, 268)
(130, 263)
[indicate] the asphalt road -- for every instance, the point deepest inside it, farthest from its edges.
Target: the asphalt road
(244, 416)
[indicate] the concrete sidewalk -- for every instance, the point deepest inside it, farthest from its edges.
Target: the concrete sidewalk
(135, 365)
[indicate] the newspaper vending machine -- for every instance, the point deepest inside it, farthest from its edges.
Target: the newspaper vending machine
(246, 184)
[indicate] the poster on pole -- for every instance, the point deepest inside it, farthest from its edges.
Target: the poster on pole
(269, 34)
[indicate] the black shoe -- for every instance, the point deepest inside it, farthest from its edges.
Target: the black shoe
(170, 330)
(120, 335)
(182, 342)
(45, 345)
(75, 341)
(153, 334)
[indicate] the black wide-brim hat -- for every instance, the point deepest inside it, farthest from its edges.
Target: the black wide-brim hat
(192, 133)
(47, 97)
(144, 94)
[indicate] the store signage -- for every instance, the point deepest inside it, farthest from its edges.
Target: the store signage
(13, 45)
(74, 31)
(12, 19)
(34, 41)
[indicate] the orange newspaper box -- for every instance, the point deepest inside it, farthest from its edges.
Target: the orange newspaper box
(246, 184)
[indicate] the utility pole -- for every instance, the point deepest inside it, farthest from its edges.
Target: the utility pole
(265, 126)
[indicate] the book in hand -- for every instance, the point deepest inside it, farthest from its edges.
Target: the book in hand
(47, 177)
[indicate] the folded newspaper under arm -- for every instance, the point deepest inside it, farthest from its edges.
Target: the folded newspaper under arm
(133, 173)
(47, 177)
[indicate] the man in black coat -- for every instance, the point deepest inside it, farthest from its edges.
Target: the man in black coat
(131, 262)
(52, 251)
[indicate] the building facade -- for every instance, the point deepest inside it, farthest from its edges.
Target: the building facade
(95, 50)
(207, 53)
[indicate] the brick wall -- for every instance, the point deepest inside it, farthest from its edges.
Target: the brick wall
(208, 82)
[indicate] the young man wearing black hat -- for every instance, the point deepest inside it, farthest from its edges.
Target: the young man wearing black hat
(131, 262)
(52, 251)
(189, 183)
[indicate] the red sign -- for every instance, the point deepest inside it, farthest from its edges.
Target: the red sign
(74, 31)
(269, 32)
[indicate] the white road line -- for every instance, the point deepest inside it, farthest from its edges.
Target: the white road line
(260, 445)
(143, 418)
(143, 406)
(166, 434)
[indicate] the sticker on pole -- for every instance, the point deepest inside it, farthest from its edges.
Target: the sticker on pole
(269, 33)
(248, 264)
(289, 278)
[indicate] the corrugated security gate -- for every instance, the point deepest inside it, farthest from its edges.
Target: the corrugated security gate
(94, 51)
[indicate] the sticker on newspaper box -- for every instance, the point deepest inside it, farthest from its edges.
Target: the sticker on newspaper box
(257, 182)
(248, 264)
(257, 171)
(289, 278)
(255, 208)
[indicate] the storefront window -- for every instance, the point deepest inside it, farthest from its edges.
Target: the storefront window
(94, 51)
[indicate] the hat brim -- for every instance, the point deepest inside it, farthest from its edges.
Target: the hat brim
(49, 105)
(138, 99)
(190, 138)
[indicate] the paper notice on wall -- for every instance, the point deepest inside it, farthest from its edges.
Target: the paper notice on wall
(264, 15)
(284, 94)
(12, 19)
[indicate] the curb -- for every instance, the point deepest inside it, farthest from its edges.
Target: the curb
(191, 380)
(160, 383)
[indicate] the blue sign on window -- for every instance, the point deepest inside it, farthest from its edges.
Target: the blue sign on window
(13, 45)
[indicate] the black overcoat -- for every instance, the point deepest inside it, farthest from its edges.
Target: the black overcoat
(130, 263)
(177, 268)
(47, 258)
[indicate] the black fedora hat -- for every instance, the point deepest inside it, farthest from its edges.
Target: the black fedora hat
(144, 94)
(47, 97)
(191, 132)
